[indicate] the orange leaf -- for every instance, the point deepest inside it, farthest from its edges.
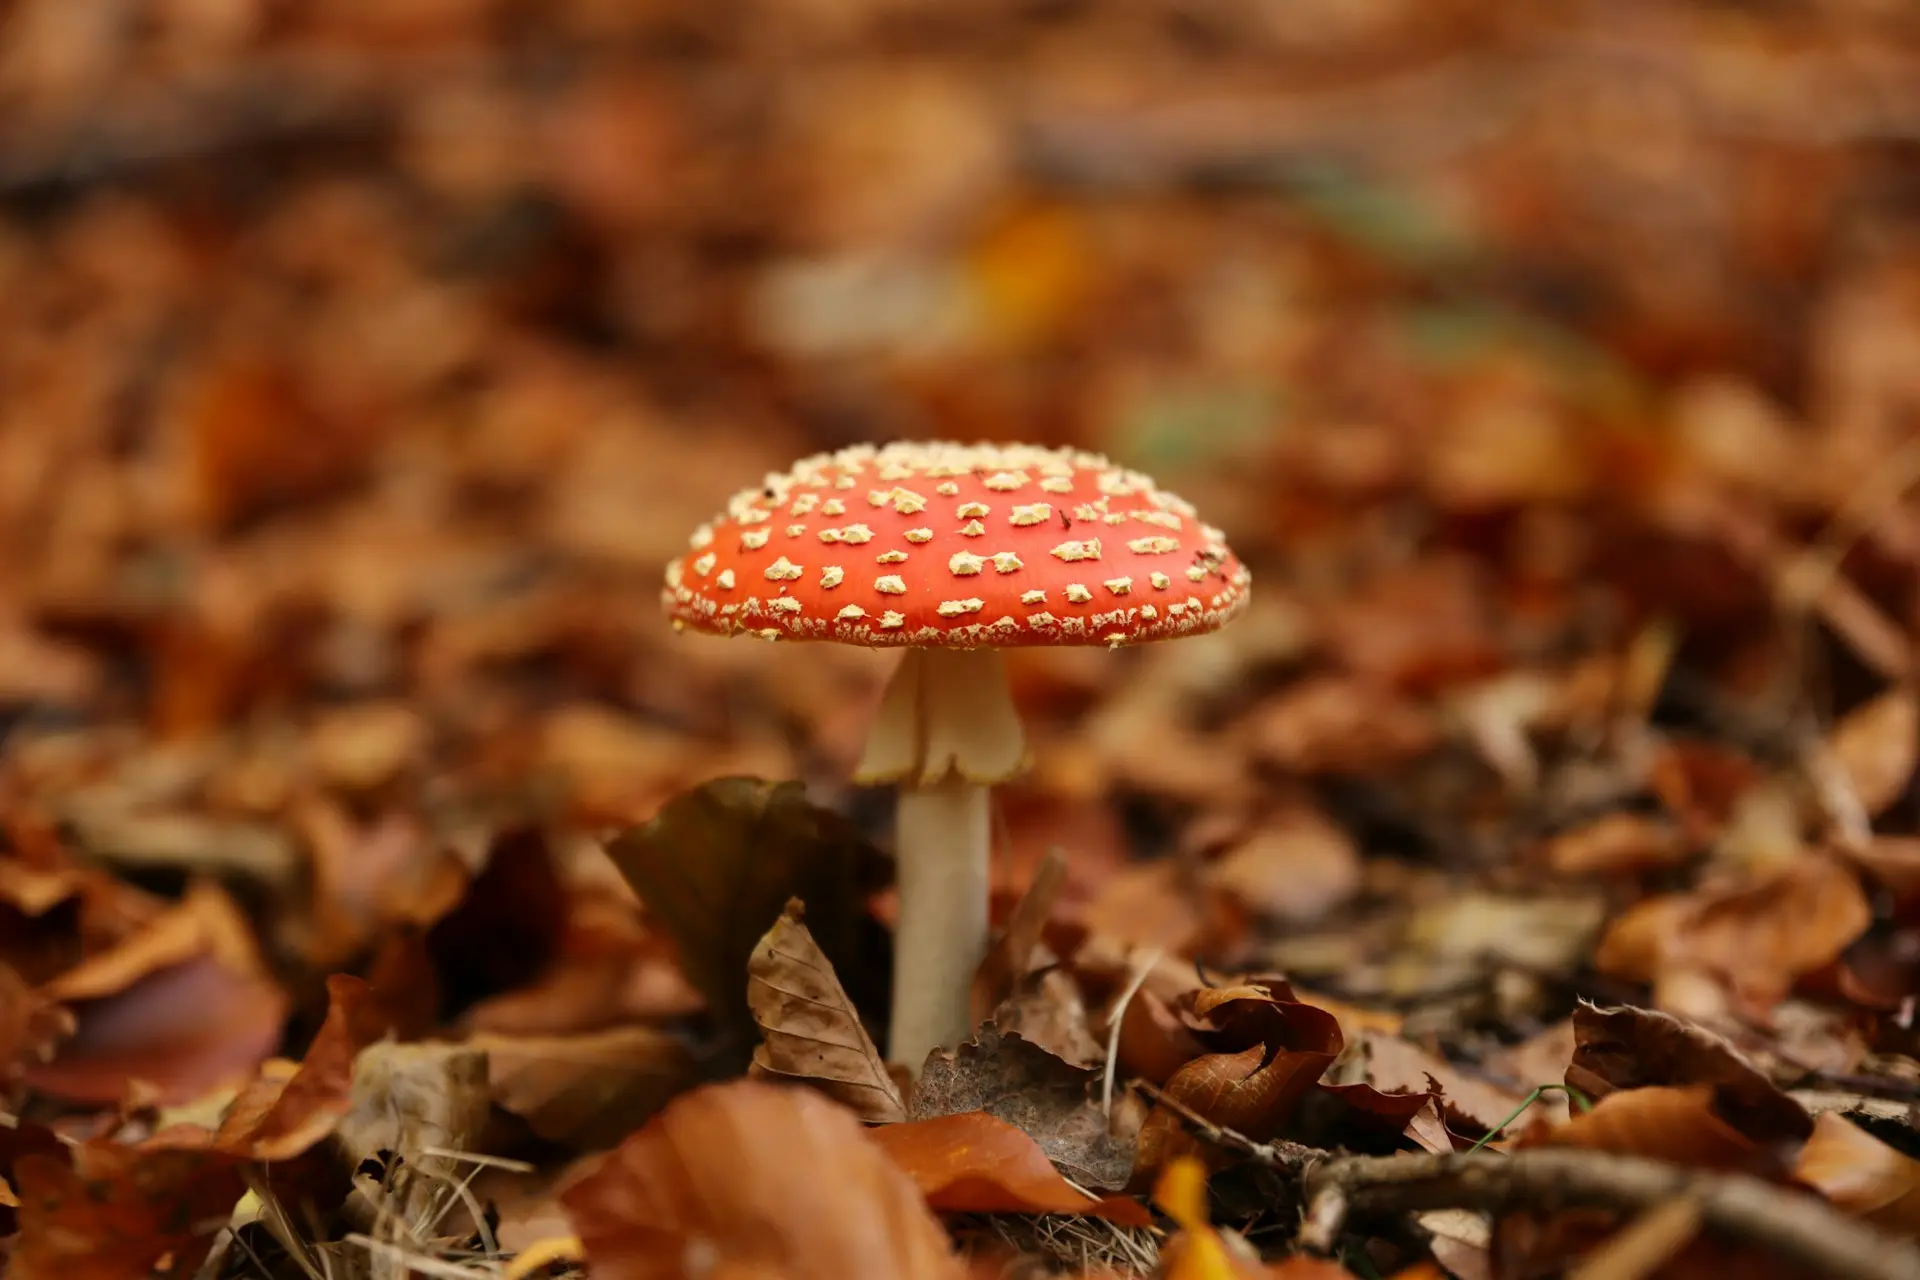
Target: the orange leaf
(185, 1005)
(115, 1210)
(976, 1163)
(277, 1120)
(1875, 745)
(1244, 1091)
(752, 1179)
(1861, 1174)
(1758, 938)
(1671, 1124)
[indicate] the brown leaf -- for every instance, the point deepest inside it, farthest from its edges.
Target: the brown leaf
(751, 1179)
(586, 1090)
(1622, 843)
(1671, 1124)
(1296, 866)
(1627, 1049)
(1154, 1041)
(1011, 955)
(1047, 1009)
(1014, 1080)
(972, 1162)
(184, 1005)
(104, 1211)
(1861, 1174)
(1893, 862)
(1401, 1068)
(1875, 745)
(1248, 1092)
(278, 1119)
(811, 1033)
(717, 865)
(30, 1024)
(1757, 938)
(505, 930)
(1340, 725)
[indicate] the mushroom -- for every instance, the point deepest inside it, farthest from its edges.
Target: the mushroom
(952, 552)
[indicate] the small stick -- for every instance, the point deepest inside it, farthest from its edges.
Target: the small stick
(1141, 969)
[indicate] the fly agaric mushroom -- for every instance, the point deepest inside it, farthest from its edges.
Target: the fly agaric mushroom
(952, 552)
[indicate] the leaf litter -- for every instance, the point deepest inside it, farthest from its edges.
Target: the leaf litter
(1526, 884)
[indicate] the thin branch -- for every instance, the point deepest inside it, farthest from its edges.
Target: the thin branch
(1811, 1235)
(1800, 1228)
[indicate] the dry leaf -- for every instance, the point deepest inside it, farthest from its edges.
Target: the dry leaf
(1861, 1174)
(972, 1162)
(586, 1090)
(811, 1033)
(183, 1006)
(1616, 844)
(719, 862)
(1627, 1048)
(1044, 1097)
(1251, 1092)
(107, 1212)
(752, 1179)
(1757, 938)
(1671, 1124)
(1875, 745)
(1011, 955)
(1296, 866)
(273, 1120)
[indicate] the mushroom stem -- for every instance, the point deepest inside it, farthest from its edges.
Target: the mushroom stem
(944, 885)
(946, 732)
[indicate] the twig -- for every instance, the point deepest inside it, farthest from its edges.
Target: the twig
(1809, 1234)
(1803, 1230)
(1280, 1154)
(1141, 969)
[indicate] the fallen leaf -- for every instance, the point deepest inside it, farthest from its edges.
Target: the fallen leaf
(1296, 866)
(505, 930)
(1044, 1097)
(1011, 955)
(1340, 725)
(1047, 1009)
(752, 1179)
(810, 1032)
(1671, 1124)
(275, 1120)
(586, 1090)
(30, 1024)
(972, 1162)
(1621, 843)
(104, 1211)
(1893, 862)
(1757, 937)
(1875, 745)
(1154, 1041)
(717, 865)
(1861, 1174)
(183, 1006)
(1253, 1092)
(1399, 1066)
(1626, 1048)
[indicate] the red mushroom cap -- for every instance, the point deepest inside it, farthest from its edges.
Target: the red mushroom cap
(957, 546)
